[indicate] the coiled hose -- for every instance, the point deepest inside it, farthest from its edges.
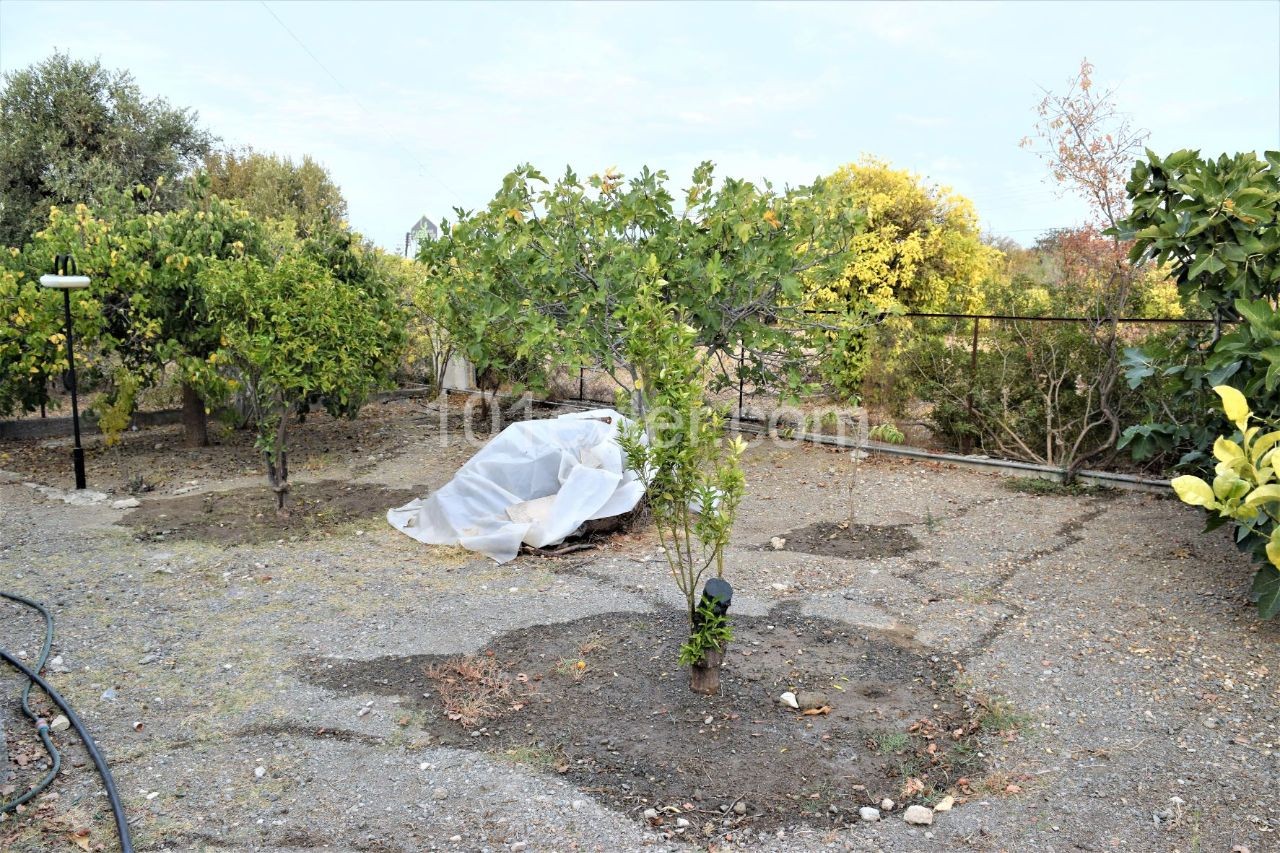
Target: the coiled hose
(42, 726)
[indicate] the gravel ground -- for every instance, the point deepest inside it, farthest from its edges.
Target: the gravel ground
(1115, 640)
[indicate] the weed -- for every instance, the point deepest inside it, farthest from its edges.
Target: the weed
(471, 689)
(532, 755)
(888, 743)
(997, 715)
(570, 668)
(973, 595)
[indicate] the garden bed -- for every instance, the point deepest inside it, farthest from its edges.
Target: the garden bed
(600, 701)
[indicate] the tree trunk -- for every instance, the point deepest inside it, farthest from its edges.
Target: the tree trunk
(704, 676)
(194, 422)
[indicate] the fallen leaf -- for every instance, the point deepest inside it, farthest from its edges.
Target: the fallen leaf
(80, 838)
(813, 712)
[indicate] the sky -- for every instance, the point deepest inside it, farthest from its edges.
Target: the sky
(420, 108)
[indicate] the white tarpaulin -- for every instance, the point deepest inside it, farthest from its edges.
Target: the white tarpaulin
(536, 482)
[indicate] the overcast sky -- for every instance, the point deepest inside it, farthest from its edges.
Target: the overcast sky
(417, 108)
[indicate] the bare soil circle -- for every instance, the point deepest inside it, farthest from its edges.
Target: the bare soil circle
(850, 541)
(248, 515)
(601, 701)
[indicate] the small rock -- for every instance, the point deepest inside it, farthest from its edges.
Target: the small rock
(518, 846)
(1209, 723)
(918, 815)
(739, 808)
(149, 658)
(259, 771)
(60, 724)
(869, 814)
(109, 694)
(578, 805)
(56, 665)
(779, 587)
(126, 503)
(886, 805)
(778, 543)
(439, 794)
(651, 815)
(682, 823)
(789, 699)
(945, 804)
(810, 699)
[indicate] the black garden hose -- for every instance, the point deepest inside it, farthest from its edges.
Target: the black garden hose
(42, 726)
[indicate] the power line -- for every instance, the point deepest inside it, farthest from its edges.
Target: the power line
(427, 173)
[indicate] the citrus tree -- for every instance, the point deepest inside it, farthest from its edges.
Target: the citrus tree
(291, 334)
(690, 470)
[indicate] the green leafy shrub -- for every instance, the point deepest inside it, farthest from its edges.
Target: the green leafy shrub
(691, 472)
(1245, 492)
(1216, 224)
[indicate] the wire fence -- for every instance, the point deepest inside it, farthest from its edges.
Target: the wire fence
(1032, 388)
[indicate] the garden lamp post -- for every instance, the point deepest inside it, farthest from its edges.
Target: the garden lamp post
(66, 278)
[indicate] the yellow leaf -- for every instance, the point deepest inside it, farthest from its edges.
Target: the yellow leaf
(1193, 491)
(1234, 405)
(1226, 450)
(772, 219)
(1273, 548)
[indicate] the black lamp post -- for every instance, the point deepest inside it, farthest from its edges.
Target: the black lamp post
(67, 278)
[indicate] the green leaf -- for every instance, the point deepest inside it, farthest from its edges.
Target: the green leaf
(1266, 588)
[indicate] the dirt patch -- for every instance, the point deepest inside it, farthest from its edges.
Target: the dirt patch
(851, 541)
(248, 515)
(601, 701)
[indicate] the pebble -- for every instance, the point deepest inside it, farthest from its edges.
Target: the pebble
(439, 794)
(517, 846)
(739, 808)
(919, 815)
(682, 823)
(578, 805)
(945, 804)
(651, 815)
(789, 699)
(60, 724)
(126, 503)
(778, 543)
(886, 805)
(810, 699)
(259, 771)
(869, 814)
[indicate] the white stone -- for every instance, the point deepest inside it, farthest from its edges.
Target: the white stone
(945, 804)
(919, 815)
(789, 699)
(126, 503)
(778, 543)
(60, 724)
(886, 805)
(869, 814)
(259, 771)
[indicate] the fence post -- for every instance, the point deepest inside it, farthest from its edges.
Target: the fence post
(742, 355)
(582, 384)
(966, 445)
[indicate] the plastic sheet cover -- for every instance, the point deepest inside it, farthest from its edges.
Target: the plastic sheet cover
(535, 483)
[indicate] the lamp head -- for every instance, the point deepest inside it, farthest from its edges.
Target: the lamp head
(66, 276)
